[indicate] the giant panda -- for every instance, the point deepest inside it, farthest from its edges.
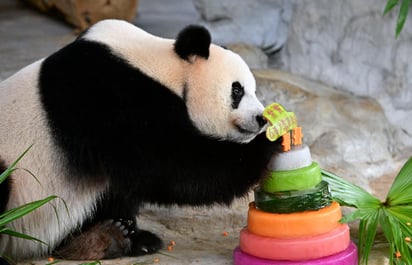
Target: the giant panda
(119, 118)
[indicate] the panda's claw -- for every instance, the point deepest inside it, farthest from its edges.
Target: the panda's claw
(145, 250)
(144, 242)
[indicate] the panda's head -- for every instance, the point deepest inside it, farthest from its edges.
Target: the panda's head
(219, 90)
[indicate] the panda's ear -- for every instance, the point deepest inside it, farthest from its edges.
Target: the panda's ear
(192, 41)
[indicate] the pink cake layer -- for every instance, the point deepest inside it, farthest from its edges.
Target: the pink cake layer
(347, 257)
(303, 248)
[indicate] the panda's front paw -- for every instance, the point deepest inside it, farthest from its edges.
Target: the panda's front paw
(145, 242)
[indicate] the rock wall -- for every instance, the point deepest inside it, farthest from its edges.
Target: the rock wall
(348, 45)
(351, 46)
(262, 23)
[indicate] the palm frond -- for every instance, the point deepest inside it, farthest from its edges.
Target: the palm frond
(367, 231)
(394, 215)
(348, 194)
(401, 190)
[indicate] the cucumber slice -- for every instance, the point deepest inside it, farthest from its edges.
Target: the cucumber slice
(297, 179)
(294, 201)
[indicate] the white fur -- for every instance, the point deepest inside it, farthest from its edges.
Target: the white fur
(209, 82)
(209, 99)
(23, 123)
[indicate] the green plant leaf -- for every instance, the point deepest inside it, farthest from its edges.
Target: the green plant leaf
(396, 234)
(20, 211)
(348, 194)
(396, 229)
(403, 13)
(10, 232)
(11, 168)
(402, 212)
(96, 262)
(401, 190)
(394, 215)
(389, 6)
(367, 232)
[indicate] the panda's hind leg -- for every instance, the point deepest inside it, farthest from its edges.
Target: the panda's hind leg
(109, 239)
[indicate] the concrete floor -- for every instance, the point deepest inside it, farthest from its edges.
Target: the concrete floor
(27, 35)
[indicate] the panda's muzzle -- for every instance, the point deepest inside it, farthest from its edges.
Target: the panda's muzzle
(261, 122)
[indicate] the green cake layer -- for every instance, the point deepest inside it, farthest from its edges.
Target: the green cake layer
(313, 198)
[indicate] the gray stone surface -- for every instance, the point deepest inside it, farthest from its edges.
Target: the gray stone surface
(165, 18)
(351, 46)
(262, 23)
(26, 36)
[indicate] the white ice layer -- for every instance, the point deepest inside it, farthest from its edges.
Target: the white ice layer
(298, 157)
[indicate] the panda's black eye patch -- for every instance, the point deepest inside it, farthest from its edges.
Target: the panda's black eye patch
(237, 93)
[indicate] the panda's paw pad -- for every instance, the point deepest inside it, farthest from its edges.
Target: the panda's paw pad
(145, 242)
(127, 227)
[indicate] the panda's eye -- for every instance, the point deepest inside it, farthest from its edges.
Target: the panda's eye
(237, 94)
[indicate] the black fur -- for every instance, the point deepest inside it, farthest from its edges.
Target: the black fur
(193, 40)
(113, 121)
(5, 187)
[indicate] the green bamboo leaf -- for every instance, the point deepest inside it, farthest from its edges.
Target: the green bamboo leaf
(11, 168)
(10, 232)
(6, 174)
(403, 13)
(401, 189)
(14, 214)
(22, 208)
(390, 5)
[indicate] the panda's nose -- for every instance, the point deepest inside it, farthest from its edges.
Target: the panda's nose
(260, 120)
